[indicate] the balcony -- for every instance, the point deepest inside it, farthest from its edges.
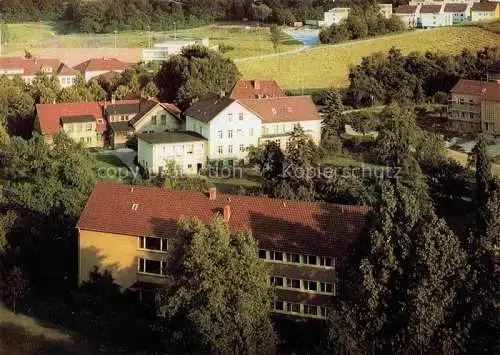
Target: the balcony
(455, 106)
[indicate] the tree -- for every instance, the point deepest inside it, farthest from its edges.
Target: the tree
(285, 16)
(233, 316)
(14, 286)
(399, 293)
(275, 36)
(150, 90)
(96, 91)
(194, 73)
(483, 179)
(332, 122)
(262, 12)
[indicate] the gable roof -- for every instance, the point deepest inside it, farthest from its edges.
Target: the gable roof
(101, 64)
(208, 107)
(293, 226)
(145, 106)
(254, 89)
(455, 7)
(171, 137)
(484, 6)
(49, 115)
(431, 9)
(406, 9)
(283, 109)
(33, 65)
(485, 90)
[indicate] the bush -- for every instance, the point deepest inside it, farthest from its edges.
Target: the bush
(331, 144)
(440, 97)
(223, 48)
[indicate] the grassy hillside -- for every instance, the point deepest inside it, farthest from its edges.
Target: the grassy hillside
(245, 41)
(326, 66)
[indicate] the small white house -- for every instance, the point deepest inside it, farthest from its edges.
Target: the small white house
(98, 66)
(435, 16)
(161, 51)
(485, 11)
(409, 14)
(459, 12)
(334, 16)
(156, 151)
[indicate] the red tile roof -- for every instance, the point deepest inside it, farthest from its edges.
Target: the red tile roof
(430, 9)
(485, 6)
(455, 8)
(292, 226)
(283, 109)
(254, 89)
(32, 66)
(406, 9)
(49, 115)
(485, 90)
(101, 64)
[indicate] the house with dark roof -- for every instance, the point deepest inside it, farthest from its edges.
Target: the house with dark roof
(132, 231)
(485, 11)
(187, 150)
(28, 68)
(409, 15)
(100, 66)
(256, 89)
(435, 16)
(459, 12)
(475, 107)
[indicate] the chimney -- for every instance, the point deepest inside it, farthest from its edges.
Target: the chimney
(222, 93)
(227, 212)
(256, 85)
(112, 98)
(212, 193)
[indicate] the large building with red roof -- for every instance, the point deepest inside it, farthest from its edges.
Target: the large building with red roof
(101, 66)
(28, 68)
(131, 231)
(475, 106)
(256, 89)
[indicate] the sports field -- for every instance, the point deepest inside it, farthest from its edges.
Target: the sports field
(327, 65)
(240, 41)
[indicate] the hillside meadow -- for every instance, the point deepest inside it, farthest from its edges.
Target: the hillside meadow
(327, 65)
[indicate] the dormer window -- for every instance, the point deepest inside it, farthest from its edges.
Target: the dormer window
(135, 206)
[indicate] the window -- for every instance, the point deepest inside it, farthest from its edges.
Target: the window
(293, 307)
(311, 309)
(292, 283)
(219, 149)
(293, 258)
(69, 128)
(262, 253)
(89, 139)
(152, 266)
(279, 306)
(250, 132)
(230, 133)
(153, 243)
(325, 261)
(79, 127)
(311, 285)
(311, 259)
(230, 149)
(179, 150)
(324, 311)
(88, 127)
(164, 119)
(276, 255)
(242, 148)
(190, 166)
(326, 287)
(241, 116)
(230, 116)
(277, 281)
(239, 132)
(190, 148)
(82, 140)
(220, 134)
(153, 120)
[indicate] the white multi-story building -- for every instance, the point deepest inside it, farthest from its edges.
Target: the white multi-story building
(485, 11)
(334, 16)
(409, 14)
(435, 16)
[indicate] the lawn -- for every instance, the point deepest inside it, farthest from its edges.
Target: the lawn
(110, 168)
(247, 179)
(327, 65)
(246, 41)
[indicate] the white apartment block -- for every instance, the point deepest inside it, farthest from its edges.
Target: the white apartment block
(435, 16)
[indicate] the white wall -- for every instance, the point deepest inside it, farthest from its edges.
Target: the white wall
(145, 124)
(270, 130)
(437, 20)
(67, 80)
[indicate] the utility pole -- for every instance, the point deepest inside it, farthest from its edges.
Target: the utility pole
(175, 30)
(115, 32)
(149, 37)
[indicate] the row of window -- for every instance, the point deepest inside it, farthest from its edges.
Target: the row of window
(67, 81)
(78, 127)
(239, 133)
(305, 285)
(279, 256)
(163, 121)
(153, 243)
(220, 149)
(179, 150)
(301, 309)
(153, 267)
(230, 116)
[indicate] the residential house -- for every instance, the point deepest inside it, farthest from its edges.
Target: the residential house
(485, 11)
(188, 150)
(228, 125)
(435, 16)
(386, 10)
(131, 231)
(98, 66)
(459, 12)
(280, 115)
(441, 2)
(409, 14)
(28, 68)
(256, 89)
(334, 16)
(475, 107)
(82, 121)
(130, 117)
(161, 51)
(494, 72)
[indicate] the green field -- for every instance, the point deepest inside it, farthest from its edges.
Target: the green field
(327, 65)
(110, 168)
(246, 41)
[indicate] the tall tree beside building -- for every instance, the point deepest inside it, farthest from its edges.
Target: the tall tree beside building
(483, 181)
(275, 36)
(221, 288)
(332, 122)
(399, 294)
